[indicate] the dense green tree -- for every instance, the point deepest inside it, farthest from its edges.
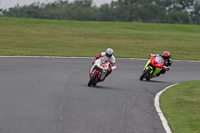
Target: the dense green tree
(151, 13)
(154, 11)
(107, 13)
(195, 13)
(143, 11)
(178, 17)
(30, 11)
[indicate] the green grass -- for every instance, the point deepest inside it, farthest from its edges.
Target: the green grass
(181, 106)
(28, 37)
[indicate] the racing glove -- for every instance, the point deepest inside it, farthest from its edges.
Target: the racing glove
(94, 58)
(165, 68)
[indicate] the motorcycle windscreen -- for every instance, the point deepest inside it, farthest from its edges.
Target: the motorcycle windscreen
(159, 59)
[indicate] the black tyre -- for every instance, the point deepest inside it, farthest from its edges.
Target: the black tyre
(94, 84)
(92, 79)
(145, 74)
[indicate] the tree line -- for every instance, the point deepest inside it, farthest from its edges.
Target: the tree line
(147, 11)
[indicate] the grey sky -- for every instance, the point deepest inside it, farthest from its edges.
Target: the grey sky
(4, 4)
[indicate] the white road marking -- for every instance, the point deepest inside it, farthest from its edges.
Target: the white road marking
(85, 58)
(160, 113)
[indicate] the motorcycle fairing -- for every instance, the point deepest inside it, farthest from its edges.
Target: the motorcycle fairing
(154, 70)
(100, 67)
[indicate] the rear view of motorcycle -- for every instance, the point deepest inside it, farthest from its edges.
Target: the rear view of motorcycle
(153, 67)
(98, 71)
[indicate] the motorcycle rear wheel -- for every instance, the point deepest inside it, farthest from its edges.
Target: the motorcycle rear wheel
(92, 79)
(145, 74)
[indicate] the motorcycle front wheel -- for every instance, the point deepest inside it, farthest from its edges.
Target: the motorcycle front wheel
(92, 79)
(145, 74)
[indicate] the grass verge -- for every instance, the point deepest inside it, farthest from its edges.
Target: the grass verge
(181, 107)
(27, 37)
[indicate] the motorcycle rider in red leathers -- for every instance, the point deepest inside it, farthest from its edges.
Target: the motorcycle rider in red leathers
(167, 62)
(107, 56)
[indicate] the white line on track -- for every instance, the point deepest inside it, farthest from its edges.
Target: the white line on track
(81, 58)
(160, 113)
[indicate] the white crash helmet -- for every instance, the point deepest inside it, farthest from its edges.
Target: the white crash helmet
(109, 52)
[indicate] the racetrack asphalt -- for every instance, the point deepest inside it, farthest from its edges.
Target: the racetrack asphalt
(50, 95)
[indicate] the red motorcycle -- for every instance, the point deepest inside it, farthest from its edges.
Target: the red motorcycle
(153, 67)
(98, 71)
